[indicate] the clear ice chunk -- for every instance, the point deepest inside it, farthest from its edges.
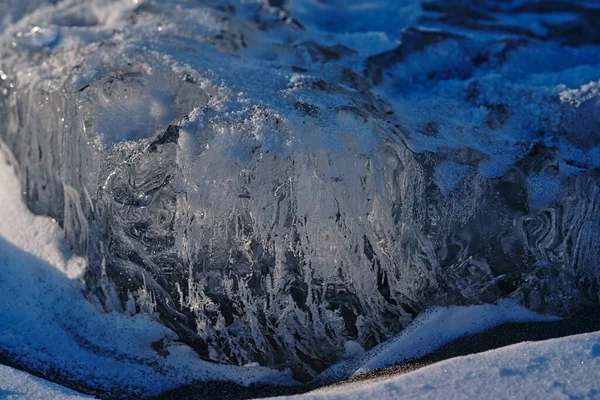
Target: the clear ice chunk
(271, 192)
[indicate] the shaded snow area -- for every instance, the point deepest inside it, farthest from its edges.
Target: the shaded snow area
(47, 324)
(15, 384)
(553, 369)
(565, 368)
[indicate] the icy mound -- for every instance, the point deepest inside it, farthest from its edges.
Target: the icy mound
(272, 181)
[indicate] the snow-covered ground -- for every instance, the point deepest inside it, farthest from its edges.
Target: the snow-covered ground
(554, 369)
(558, 368)
(430, 331)
(565, 368)
(15, 384)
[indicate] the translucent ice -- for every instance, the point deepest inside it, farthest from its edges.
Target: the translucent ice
(273, 182)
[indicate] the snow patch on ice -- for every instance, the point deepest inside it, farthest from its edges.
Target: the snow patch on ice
(556, 368)
(543, 189)
(579, 95)
(448, 176)
(431, 330)
(19, 385)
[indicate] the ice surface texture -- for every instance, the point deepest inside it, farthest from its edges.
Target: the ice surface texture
(273, 180)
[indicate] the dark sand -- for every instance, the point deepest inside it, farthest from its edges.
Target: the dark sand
(587, 320)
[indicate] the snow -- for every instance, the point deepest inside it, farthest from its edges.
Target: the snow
(553, 369)
(47, 323)
(441, 325)
(15, 384)
(36, 236)
(449, 175)
(557, 368)
(431, 330)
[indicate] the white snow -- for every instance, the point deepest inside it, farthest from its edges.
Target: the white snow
(15, 384)
(554, 369)
(441, 325)
(431, 330)
(37, 236)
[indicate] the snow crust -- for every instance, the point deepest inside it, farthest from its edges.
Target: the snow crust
(19, 385)
(565, 368)
(429, 331)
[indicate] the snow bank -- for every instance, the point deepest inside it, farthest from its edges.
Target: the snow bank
(15, 384)
(553, 369)
(443, 325)
(431, 330)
